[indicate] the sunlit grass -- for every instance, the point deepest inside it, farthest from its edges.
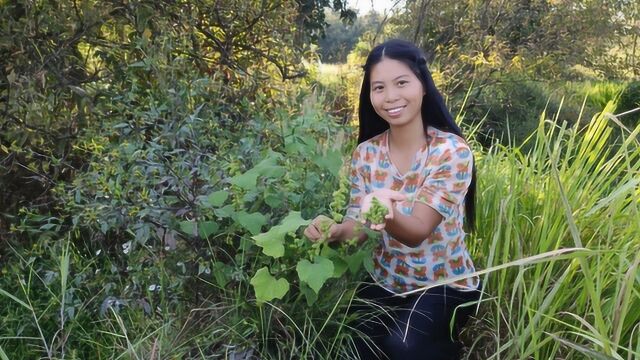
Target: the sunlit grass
(557, 245)
(574, 188)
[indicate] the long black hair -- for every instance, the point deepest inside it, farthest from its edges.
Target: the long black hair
(434, 111)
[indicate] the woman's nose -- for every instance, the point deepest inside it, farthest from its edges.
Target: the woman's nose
(390, 95)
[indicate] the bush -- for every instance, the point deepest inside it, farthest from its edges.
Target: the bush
(511, 108)
(629, 100)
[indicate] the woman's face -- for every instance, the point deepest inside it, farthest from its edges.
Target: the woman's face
(396, 92)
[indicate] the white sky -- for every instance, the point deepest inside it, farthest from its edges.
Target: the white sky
(364, 6)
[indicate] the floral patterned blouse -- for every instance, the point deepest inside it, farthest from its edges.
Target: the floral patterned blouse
(439, 177)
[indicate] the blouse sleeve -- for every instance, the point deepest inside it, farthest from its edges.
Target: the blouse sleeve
(357, 191)
(448, 180)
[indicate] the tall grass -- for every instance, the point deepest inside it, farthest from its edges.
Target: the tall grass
(576, 187)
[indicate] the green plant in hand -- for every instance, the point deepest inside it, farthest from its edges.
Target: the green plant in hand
(376, 212)
(325, 229)
(340, 197)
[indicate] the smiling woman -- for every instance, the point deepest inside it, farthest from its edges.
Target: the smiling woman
(396, 93)
(412, 159)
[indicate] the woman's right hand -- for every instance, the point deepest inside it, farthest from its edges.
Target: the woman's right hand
(387, 198)
(315, 230)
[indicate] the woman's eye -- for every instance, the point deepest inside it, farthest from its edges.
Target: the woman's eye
(377, 88)
(402, 82)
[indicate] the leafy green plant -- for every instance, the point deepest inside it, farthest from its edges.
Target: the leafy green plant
(571, 189)
(376, 213)
(630, 100)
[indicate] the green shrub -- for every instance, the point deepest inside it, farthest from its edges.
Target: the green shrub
(511, 108)
(629, 100)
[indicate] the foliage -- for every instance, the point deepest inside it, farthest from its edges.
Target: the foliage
(154, 301)
(532, 34)
(159, 139)
(64, 63)
(510, 109)
(158, 160)
(601, 93)
(630, 100)
(177, 197)
(570, 189)
(340, 37)
(493, 48)
(312, 15)
(376, 213)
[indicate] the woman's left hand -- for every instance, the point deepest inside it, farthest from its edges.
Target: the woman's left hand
(387, 198)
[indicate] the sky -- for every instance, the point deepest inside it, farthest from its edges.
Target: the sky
(364, 6)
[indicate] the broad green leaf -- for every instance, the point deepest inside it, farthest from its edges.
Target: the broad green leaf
(207, 228)
(296, 144)
(272, 242)
(293, 221)
(246, 180)
(312, 183)
(225, 211)
(268, 287)
(188, 227)
(222, 273)
(340, 266)
(315, 274)
(309, 141)
(331, 160)
(354, 261)
(294, 148)
(309, 294)
(252, 222)
(268, 168)
(216, 199)
(272, 198)
(272, 172)
(250, 196)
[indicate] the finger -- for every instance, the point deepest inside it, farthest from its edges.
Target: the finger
(307, 233)
(397, 196)
(332, 231)
(313, 233)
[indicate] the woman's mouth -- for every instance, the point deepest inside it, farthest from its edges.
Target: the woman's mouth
(395, 111)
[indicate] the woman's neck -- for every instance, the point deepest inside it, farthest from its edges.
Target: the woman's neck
(408, 137)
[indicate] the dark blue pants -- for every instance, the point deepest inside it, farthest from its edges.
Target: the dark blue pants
(431, 334)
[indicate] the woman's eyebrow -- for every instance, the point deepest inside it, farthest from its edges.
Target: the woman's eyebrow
(396, 78)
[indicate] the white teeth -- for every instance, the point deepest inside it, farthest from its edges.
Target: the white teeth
(395, 110)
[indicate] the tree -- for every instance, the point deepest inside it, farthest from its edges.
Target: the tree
(52, 53)
(311, 17)
(341, 37)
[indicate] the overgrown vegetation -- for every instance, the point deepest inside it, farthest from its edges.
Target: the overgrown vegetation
(506, 62)
(157, 160)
